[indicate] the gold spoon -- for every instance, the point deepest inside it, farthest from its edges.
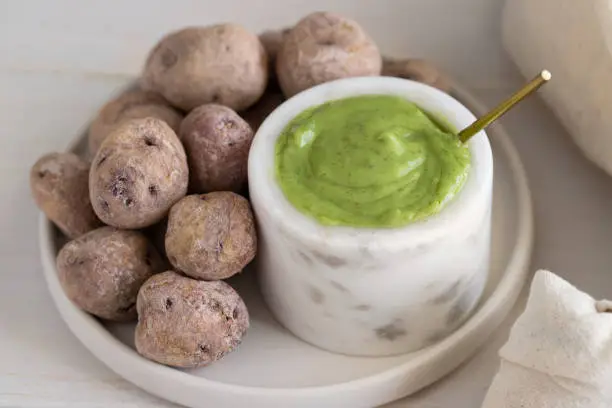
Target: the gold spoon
(505, 106)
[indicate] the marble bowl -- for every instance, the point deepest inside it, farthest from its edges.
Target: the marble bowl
(363, 291)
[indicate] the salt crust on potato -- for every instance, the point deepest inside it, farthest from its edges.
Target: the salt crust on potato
(139, 172)
(323, 47)
(217, 142)
(211, 236)
(223, 63)
(417, 70)
(186, 323)
(132, 104)
(272, 40)
(102, 271)
(59, 183)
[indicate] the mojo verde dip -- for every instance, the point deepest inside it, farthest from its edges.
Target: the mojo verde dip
(369, 161)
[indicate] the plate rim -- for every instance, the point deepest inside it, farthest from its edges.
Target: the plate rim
(490, 315)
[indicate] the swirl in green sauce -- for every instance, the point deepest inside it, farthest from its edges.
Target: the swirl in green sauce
(369, 161)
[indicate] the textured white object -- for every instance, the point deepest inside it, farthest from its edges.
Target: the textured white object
(559, 353)
(372, 292)
(273, 368)
(572, 39)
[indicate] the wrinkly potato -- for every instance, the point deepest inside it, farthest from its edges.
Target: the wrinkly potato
(59, 183)
(139, 172)
(323, 47)
(217, 143)
(272, 40)
(211, 236)
(102, 271)
(133, 104)
(257, 113)
(187, 323)
(224, 64)
(416, 70)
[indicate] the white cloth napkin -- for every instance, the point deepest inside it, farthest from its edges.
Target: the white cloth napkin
(559, 353)
(572, 39)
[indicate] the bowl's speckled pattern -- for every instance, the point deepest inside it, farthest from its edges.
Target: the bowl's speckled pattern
(372, 291)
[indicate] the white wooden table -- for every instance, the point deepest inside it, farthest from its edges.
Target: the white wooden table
(59, 61)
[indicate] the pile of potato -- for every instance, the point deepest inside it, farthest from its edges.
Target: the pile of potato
(156, 211)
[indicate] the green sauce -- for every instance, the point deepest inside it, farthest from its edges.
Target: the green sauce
(369, 161)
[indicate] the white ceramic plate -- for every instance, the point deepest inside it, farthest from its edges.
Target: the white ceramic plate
(274, 369)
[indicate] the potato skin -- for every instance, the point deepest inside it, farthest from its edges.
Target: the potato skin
(139, 172)
(417, 70)
(156, 233)
(323, 47)
(211, 236)
(187, 323)
(132, 104)
(102, 271)
(272, 40)
(223, 63)
(217, 142)
(59, 183)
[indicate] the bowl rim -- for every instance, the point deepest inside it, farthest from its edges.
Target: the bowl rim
(267, 196)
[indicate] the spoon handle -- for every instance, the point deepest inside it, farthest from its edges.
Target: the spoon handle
(505, 106)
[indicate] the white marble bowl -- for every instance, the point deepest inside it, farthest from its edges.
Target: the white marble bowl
(372, 291)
